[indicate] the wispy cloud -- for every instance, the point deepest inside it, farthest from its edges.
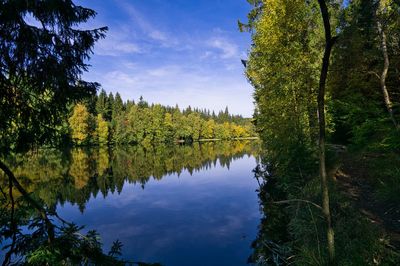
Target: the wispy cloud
(114, 47)
(148, 53)
(174, 84)
(227, 48)
(146, 27)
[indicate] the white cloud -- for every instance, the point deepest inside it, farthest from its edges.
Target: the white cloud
(165, 65)
(228, 49)
(146, 27)
(114, 47)
(174, 84)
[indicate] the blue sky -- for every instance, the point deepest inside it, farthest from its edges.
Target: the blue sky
(171, 52)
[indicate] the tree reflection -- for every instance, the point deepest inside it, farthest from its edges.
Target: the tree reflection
(31, 229)
(270, 247)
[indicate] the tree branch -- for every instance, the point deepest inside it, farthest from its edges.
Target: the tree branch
(298, 200)
(40, 209)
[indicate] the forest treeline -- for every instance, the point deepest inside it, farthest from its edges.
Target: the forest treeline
(295, 46)
(108, 119)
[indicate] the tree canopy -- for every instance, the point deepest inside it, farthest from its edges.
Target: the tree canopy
(323, 68)
(142, 123)
(43, 53)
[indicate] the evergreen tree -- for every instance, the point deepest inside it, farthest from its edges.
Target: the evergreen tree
(101, 104)
(102, 130)
(118, 106)
(110, 106)
(40, 73)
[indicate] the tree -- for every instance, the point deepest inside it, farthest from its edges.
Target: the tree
(41, 67)
(381, 14)
(79, 124)
(40, 76)
(169, 127)
(101, 103)
(329, 42)
(207, 131)
(285, 86)
(118, 106)
(283, 67)
(110, 106)
(102, 130)
(196, 124)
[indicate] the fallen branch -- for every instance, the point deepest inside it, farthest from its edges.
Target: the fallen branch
(298, 200)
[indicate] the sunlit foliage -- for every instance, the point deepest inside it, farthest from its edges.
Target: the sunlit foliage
(152, 124)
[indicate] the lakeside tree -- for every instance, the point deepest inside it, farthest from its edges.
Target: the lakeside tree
(313, 89)
(384, 11)
(329, 42)
(286, 86)
(79, 124)
(41, 65)
(102, 130)
(153, 124)
(41, 68)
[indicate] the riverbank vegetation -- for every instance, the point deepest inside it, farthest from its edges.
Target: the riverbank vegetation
(288, 64)
(106, 119)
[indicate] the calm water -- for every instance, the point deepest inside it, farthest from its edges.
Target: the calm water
(182, 205)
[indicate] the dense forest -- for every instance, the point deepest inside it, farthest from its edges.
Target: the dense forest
(328, 72)
(105, 119)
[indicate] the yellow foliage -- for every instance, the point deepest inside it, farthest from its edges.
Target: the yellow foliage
(79, 124)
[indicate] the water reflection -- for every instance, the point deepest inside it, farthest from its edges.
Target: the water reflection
(210, 213)
(74, 175)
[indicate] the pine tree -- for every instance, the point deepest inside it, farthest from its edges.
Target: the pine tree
(102, 130)
(118, 106)
(40, 73)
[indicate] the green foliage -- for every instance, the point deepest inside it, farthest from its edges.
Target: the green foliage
(70, 247)
(54, 176)
(156, 124)
(284, 67)
(357, 105)
(79, 124)
(294, 233)
(40, 73)
(102, 130)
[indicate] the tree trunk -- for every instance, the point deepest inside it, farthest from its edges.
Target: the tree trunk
(383, 76)
(329, 41)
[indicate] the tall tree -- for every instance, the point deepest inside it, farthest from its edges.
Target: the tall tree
(41, 66)
(381, 15)
(329, 42)
(101, 103)
(110, 106)
(102, 130)
(79, 124)
(118, 106)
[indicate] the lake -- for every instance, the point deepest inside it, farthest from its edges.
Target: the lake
(179, 205)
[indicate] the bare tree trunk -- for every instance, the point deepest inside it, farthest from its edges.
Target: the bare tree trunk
(329, 41)
(383, 76)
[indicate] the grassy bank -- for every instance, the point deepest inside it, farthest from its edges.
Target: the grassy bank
(364, 205)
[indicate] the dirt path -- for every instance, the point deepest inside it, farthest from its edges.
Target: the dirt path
(352, 177)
